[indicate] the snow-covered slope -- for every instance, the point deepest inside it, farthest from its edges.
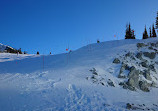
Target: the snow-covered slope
(2, 47)
(5, 48)
(66, 81)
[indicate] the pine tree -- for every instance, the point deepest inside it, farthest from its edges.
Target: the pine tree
(145, 34)
(150, 31)
(157, 21)
(153, 32)
(25, 52)
(98, 41)
(129, 32)
(19, 51)
(133, 36)
(37, 52)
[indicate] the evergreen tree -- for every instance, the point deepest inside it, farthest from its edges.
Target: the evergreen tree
(25, 52)
(133, 36)
(19, 51)
(37, 53)
(98, 41)
(129, 33)
(157, 21)
(145, 34)
(150, 31)
(153, 32)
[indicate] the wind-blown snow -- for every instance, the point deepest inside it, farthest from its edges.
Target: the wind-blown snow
(62, 83)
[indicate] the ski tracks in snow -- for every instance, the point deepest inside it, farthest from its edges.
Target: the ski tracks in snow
(29, 82)
(78, 100)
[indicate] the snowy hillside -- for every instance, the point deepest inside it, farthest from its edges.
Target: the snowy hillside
(108, 76)
(7, 49)
(2, 47)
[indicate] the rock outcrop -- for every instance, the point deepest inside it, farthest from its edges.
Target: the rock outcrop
(140, 67)
(116, 61)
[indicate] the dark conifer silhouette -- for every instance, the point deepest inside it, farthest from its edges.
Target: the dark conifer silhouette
(37, 53)
(153, 31)
(98, 41)
(145, 34)
(150, 32)
(19, 51)
(25, 52)
(129, 32)
(157, 21)
(133, 36)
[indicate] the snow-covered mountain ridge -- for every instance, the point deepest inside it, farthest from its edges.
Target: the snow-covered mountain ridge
(7, 49)
(85, 79)
(2, 47)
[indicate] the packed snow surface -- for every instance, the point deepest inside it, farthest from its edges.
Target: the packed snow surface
(59, 82)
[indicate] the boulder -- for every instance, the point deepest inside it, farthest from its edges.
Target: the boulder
(153, 44)
(149, 55)
(156, 45)
(128, 106)
(123, 67)
(143, 86)
(139, 55)
(110, 83)
(94, 71)
(152, 67)
(155, 50)
(131, 55)
(139, 45)
(144, 64)
(133, 75)
(116, 61)
(134, 107)
(132, 71)
(150, 48)
(153, 84)
(156, 62)
(125, 86)
(128, 54)
(147, 75)
(133, 82)
(121, 83)
(121, 76)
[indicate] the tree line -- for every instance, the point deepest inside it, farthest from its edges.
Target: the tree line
(152, 31)
(9, 49)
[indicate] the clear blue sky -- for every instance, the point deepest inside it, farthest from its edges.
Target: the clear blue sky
(50, 25)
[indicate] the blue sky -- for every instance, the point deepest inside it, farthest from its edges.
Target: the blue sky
(52, 25)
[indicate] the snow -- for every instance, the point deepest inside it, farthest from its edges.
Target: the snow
(62, 83)
(2, 47)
